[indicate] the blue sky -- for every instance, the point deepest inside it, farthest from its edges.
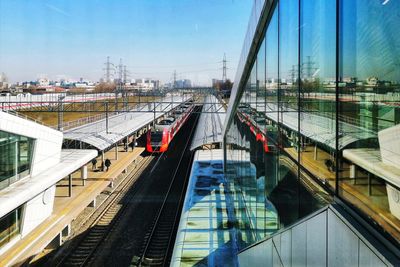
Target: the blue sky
(153, 37)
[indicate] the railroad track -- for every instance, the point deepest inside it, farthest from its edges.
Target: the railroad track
(159, 239)
(81, 254)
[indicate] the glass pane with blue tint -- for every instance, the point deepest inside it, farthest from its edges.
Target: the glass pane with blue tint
(369, 113)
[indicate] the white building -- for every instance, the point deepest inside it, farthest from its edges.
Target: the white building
(31, 163)
(43, 82)
(3, 81)
(145, 84)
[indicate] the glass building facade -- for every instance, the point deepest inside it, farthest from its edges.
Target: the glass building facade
(15, 158)
(10, 226)
(316, 116)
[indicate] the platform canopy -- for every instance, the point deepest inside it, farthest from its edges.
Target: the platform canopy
(316, 127)
(124, 124)
(210, 124)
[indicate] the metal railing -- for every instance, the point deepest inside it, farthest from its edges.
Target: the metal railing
(23, 116)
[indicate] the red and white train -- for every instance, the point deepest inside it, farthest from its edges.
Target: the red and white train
(260, 135)
(159, 137)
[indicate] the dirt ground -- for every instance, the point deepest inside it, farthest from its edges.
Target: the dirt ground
(77, 111)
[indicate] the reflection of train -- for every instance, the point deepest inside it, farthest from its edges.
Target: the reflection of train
(159, 137)
(246, 117)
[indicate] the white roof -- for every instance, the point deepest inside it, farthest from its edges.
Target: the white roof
(210, 125)
(316, 127)
(370, 160)
(20, 192)
(121, 125)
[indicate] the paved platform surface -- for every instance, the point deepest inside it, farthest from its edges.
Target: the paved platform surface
(68, 208)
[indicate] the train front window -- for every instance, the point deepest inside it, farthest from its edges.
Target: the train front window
(156, 137)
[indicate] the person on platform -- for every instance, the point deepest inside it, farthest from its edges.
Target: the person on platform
(132, 145)
(94, 164)
(107, 163)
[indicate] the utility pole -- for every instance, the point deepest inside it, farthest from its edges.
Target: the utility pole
(293, 73)
(309, 68)
(60, 113)
(120, 71)
(107, 69)
(125, 93)
(106, 110)
(125, 74)
(119, 84)
(224, 69)
(174, 84)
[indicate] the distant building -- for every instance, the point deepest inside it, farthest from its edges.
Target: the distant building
(184, 83)
(216, 82)
(3, 82)
(144, 84)
(43, 82)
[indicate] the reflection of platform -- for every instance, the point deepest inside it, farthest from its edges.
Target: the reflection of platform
(375, 206)
(68, 208)
(205, 233)
(316, 127)
(315, 166)
(370, 160)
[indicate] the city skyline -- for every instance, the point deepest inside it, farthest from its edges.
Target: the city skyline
(61, 38)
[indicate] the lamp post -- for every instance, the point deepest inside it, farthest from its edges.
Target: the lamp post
(106, 110)
(60, 112)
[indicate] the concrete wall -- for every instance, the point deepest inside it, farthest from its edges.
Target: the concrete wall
(325, 239)
(44, 203)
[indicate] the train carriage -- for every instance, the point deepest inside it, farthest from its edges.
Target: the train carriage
(159, 137)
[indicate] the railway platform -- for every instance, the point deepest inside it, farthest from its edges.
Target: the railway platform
(70, 201)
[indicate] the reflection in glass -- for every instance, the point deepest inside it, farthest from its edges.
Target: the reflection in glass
(288, 73)
(267, 190)
(369, 114)
(15, 158)
(10, 226)
(317, 141)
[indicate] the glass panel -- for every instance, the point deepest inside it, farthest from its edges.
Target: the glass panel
(285, 194)
(10, 226)
(267, 191)
(15, 158)
(270, 142)
(317, 140)
(288, 75)
(369, 110)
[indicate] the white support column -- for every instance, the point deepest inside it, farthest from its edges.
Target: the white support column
(84, 174)
(315, 152)
(353, 171)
